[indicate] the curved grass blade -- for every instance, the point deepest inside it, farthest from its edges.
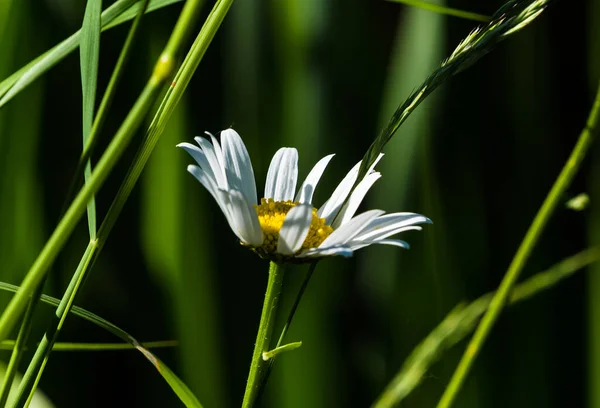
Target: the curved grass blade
(510, 18)
(178, 386)
(119, 12)
(77, 347)
(448, 11)
(462, 320)
(89, 57)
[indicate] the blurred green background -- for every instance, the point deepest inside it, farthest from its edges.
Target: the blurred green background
(477, 157)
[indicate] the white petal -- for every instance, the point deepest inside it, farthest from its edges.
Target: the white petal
(380, 227)
(207, 181)
(243, 219)
(217, 167)
(200, 158)
(238, 167)
(282, 175)
(294, 229)
(394, 242)
(349, 209)
(330, 209)
(222, 198)
(349, 230)
(319, 252)
(307, 190)
(379, 237)
(218, 151)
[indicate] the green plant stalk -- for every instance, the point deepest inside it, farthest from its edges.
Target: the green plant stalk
(107, 98)
(118, 13)
(425, 5)
(510, 18)
(162, 71)
(17, 352)
(167, 106)
(41, 356)
(44, 348)
(182, 391)
(462, 320)
(79, 347)
(42, 353)
(259, 366)
(288, 323)
(512, 274)
(78, 206)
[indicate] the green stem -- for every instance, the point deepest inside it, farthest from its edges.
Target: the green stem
(162, 72)
(462, 320)
(107, 99)
(38, 362)
(288, 323)
(79, 347)
(17, 352)
(512, 274)
(425, 5)
(259, 367)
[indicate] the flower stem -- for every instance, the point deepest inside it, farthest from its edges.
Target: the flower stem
(259, 367)
(516, 266)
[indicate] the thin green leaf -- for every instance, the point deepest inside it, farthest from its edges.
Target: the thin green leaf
(449, 11)
(462, 320)
(89, 59)
(132, 11)
(268, 355)
(178, 386)
(17, 352)
(46, 346)
(67, 346)
(511, 17)
(118, 13)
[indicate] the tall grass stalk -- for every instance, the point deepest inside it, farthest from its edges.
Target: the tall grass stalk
(510, 18)
(462, 320)
(188, 67)
(448, 11)
(516, 266)
(162, 72)
(118, 13)
(91, 126)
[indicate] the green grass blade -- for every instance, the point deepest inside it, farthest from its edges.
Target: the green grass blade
(535, 230)
(132, 11)
(512, 17)
(448, 11)
(89, 57)
(16, 82)
(178, 386)
(462, 320)
(76, 347)
(17, 351)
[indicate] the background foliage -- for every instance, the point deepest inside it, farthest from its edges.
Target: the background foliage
(477, 157)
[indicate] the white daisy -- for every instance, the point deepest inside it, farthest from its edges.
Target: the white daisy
(285, 226)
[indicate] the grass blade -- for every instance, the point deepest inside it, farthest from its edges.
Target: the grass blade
(462, 320)
(76, 347)
(89, 59)
(17, 351)
(531, 238)
(112, 16)
(448, 11)
(513, 16)
(178, 386)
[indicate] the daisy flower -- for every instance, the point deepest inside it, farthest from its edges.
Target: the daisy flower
(285, 226)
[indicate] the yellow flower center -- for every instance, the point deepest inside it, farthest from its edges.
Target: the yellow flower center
(271, 215)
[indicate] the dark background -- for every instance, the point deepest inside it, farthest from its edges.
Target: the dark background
(477, 157)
